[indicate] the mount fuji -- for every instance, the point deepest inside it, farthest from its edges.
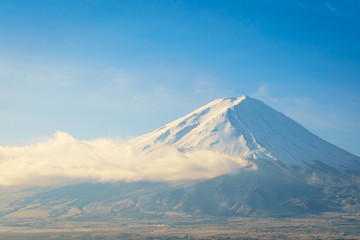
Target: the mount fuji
(291, 172)
(248, 128)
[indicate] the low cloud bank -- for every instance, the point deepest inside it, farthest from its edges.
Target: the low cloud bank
(63, 159)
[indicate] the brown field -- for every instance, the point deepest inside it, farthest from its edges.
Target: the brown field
(326, 226)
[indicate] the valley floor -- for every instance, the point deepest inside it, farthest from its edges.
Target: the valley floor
(326, 226)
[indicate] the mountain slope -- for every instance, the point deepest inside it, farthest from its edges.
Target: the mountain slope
(274, 190)
(248, 128)
(296, 173)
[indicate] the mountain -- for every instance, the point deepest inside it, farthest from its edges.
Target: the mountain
(296, 173)
(248, 128)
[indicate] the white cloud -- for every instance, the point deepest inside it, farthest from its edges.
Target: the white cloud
(63, 159)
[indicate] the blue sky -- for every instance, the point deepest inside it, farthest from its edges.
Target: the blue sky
(123, 68)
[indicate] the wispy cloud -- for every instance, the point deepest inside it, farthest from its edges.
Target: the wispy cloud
(63, 159)
(261, 93)
(100, 99)
(330, 7)
(310, 113)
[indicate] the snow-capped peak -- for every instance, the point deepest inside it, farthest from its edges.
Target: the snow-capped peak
(247, 128)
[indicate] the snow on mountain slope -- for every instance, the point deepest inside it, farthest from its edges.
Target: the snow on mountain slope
(149, 175)
(247, 128)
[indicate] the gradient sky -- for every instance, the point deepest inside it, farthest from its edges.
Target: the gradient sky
(120, 69)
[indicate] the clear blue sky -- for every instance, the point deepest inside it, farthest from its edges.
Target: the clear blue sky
(124, 68)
